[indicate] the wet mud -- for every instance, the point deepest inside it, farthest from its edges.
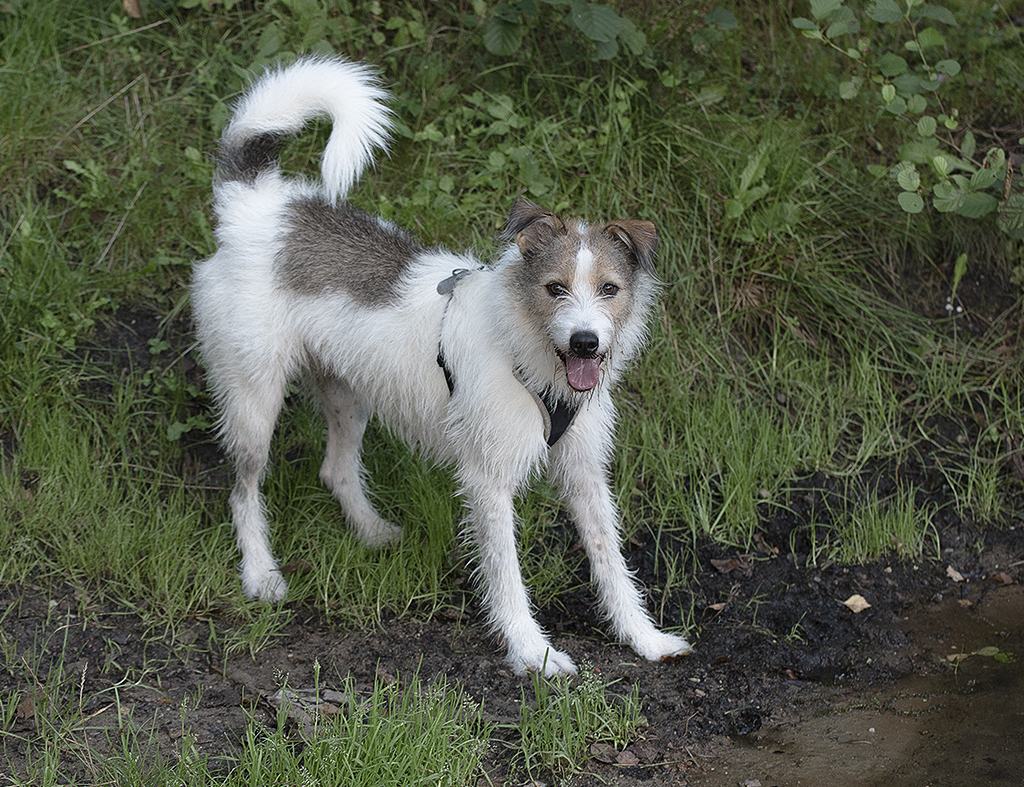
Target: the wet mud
(787, 685)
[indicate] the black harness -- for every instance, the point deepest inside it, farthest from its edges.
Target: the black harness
(558, 414)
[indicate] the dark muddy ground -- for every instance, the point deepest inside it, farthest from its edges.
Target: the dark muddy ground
(775, 647)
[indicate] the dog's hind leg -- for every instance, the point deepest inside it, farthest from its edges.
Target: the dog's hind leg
(581, 474)
(342, 471)
(247, 425)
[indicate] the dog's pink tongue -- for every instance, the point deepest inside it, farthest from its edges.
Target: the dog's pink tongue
(583, 373)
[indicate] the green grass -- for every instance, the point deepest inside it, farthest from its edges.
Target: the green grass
(796, 335)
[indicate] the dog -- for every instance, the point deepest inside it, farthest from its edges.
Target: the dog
(498, 370)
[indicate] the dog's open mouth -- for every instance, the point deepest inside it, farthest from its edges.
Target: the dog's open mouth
(583, 373)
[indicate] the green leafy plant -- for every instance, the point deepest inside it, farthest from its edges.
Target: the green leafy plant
(932, 163)
(503, 32)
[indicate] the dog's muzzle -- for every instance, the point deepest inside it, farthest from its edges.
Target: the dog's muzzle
(582, 363)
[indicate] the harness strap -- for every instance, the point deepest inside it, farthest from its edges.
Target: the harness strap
(558, 416)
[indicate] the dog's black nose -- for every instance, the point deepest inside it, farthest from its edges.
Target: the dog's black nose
(584, 343)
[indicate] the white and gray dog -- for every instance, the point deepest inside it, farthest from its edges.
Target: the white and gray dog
(498, 370)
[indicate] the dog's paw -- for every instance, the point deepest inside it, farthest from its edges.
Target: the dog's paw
(379, 534)
(659, 646)
(269, 587)
(549, 662)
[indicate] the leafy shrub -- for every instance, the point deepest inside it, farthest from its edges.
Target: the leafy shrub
(933, 162)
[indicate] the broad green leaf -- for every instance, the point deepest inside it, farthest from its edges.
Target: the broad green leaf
(846, 27)
(822, 9)
(733, 208)
(891, 65)
(907, 176)
(501, 10)
(940, 164)
(909, 85)
(1011, 217)
(721, 18)
(950, 67)
(596, 22)
(938, 13)
(849, 90)
(969, 145)
(501, 37)
(947, 197)
(897, 106)
(888, 93)
(606, 50)
(977, 204)
(804, 24)
(926, 126)
(755, 194)
(983, 178)
(910, 201)
(885, 11)
(917, 104)
(920, 152)
(631, 38)
(711, 95)
(757, 163)
(930, 37)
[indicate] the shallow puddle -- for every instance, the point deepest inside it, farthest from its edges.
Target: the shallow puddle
(961, 725)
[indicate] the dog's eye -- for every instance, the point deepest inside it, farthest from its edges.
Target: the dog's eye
(609, 289)
(556, 290)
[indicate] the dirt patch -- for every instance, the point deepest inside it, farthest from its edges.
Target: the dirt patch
(776, 649)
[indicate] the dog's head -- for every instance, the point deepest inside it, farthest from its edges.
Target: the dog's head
(588, 288)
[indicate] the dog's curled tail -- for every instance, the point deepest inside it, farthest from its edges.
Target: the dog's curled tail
(282, 101)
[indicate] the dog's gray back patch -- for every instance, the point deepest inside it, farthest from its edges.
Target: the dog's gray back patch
(338, 247)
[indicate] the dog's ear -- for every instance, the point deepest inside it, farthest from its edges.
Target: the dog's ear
(531, 226)
(640, 237)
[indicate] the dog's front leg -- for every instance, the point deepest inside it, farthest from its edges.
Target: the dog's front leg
(580, 471)
(491, 517)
